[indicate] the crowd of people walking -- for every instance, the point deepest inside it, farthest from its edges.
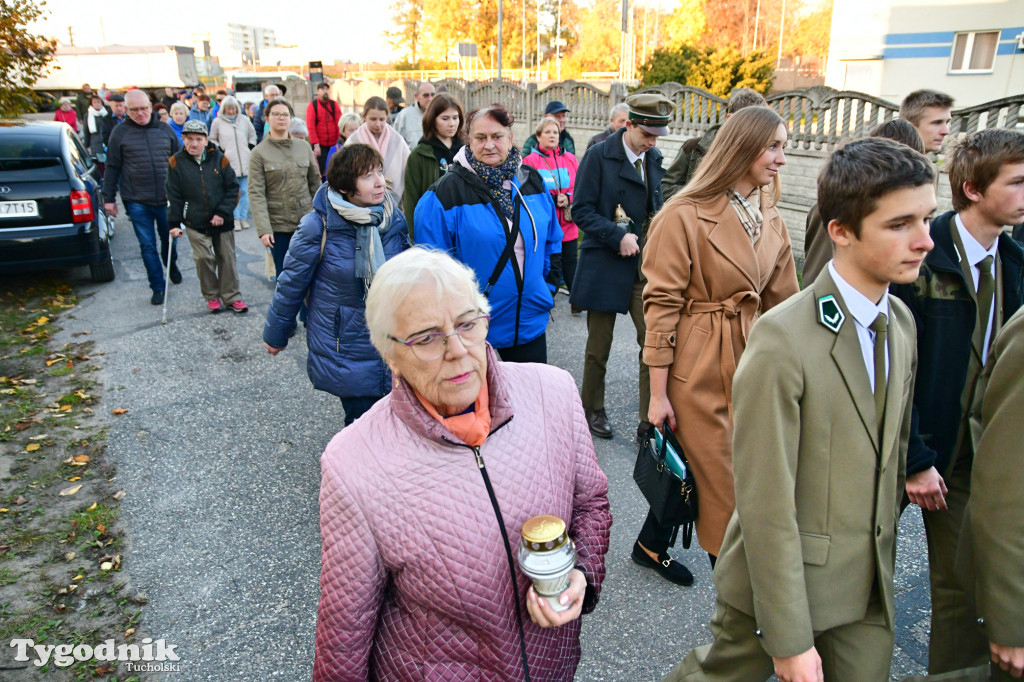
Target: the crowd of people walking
(429, 247)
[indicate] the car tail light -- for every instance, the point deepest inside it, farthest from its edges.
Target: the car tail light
(81, 207)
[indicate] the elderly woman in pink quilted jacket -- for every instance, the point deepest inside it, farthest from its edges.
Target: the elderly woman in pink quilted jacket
(424, 496)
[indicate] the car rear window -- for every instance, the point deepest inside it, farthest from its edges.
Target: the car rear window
(30, 158)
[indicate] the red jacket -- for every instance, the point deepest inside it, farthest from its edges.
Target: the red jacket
(322, 121)
(69, 117)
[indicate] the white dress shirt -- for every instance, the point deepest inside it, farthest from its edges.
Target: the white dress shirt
(633, 157)
(975, 254)
(864, 313)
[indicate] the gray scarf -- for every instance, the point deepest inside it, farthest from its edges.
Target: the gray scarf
(369, 248)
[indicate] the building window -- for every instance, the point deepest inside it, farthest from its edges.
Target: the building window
(974, 52)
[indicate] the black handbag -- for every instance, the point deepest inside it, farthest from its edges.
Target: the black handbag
(673, 500)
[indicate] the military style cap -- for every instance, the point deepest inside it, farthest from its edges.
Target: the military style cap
(650, 112)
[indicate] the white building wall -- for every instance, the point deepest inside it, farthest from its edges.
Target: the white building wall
(889, 48)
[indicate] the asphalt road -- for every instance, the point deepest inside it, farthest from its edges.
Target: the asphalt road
(219, 454)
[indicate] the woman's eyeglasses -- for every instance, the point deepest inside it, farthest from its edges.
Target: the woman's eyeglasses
(432, 345)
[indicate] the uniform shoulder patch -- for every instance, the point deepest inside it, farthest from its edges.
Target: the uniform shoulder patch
(830, 314)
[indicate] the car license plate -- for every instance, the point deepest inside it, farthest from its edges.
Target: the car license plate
(18, 209)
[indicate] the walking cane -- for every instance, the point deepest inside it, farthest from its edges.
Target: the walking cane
(167, 270)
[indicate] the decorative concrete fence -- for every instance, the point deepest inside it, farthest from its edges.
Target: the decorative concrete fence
(818, 118)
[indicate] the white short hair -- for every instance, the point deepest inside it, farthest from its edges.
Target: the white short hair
(620, 108)
(297, 127)
(64, 100)
(416, 268)
(230, 101)
(178, 106)
(266, 90)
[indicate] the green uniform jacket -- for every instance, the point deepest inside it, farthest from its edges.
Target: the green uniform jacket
(283, 178)
(817, 499)
(993, 545)
(421, 171)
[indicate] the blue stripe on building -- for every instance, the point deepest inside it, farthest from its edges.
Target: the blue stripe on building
(940, 44)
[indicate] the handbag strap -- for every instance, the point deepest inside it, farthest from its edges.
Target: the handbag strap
(510, 244)
(511, 563)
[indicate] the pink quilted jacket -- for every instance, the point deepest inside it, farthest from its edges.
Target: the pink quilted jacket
(415, 582)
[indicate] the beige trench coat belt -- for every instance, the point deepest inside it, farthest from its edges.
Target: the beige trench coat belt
(742, 301)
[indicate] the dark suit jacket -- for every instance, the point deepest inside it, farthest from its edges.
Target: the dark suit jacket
(606, 179)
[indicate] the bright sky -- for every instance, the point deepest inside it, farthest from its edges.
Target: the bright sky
(337, 30)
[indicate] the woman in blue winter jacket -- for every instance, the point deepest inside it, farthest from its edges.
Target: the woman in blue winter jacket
(355, 226)
(494, 214)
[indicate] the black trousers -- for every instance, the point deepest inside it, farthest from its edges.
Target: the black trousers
(534, 351)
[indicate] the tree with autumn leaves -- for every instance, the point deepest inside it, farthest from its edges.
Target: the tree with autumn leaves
(24, 56)
(426, 31)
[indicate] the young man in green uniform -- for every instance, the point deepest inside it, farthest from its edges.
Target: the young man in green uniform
(822, 412)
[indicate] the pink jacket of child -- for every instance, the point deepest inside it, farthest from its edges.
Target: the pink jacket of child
(558, 169)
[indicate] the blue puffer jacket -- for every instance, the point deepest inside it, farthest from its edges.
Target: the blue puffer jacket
(341, 359)
(458, 215)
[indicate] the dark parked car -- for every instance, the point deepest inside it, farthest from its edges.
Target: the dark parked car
(51, 205)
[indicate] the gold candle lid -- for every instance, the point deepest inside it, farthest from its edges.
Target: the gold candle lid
(543, 533)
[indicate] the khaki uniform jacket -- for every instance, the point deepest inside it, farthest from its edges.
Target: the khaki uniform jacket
(283, 178)
(706, 285)
(817, 496)
(993, 540)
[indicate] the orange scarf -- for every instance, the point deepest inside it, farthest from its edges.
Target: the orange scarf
(472, 427)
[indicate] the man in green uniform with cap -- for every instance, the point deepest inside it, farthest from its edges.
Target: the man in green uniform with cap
(617, 192)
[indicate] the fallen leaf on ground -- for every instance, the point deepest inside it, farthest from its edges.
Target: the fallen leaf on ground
(70, 556)
(42, 320)
(101, 528)
(60, 608)
(129, 632)
(82, 394)
(81, 459)
(39, 437)
(120, 410)
(65, 408)
(51, 363)
(103, 670)
(78, 577)
(20, 500)
(31, 447)
(29, 382)
(70, 491)
(4, 510)
(106, 565)
(21, 426)
(93, 506)
(118, 495)
(74, 478)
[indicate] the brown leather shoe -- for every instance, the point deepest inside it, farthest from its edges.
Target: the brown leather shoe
(598, 423)
(575, 310)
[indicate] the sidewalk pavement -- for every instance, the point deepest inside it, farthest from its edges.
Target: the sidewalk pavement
(219, 454)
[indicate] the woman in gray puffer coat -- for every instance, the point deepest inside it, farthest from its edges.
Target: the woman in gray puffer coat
(232, 131)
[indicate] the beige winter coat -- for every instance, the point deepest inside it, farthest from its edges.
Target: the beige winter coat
(706, 284)
(283, 177)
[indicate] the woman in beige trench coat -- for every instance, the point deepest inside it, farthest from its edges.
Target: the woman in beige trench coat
(718, 254)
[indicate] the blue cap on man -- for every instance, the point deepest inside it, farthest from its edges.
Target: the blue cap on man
(555, 107)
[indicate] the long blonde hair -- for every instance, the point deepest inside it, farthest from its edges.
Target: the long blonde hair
(743, 138)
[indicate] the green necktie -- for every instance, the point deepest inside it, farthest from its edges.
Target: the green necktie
(986, 290)
(639, 165)
(880, 327)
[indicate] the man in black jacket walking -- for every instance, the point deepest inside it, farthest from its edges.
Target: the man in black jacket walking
(969, 285)
(137, 154)
(203, 191)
